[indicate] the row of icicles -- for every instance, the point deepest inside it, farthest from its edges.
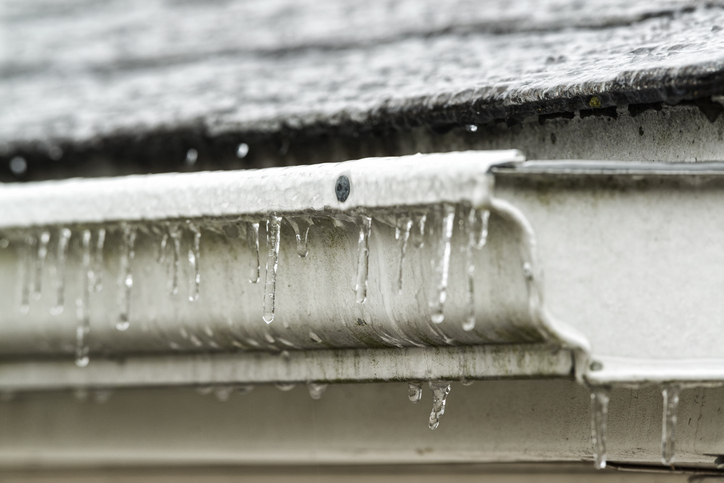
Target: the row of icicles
(409, 228)
(440, 390)
(599, 412)
(223, 392)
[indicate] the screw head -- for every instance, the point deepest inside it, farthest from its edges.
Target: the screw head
(341, 188)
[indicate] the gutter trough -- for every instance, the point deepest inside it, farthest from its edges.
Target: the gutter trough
(420, 268)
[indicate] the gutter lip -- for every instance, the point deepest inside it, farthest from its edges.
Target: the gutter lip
(609, 168)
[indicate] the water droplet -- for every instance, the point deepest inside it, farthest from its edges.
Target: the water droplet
(191, 156)
(402, 235)
(244, 388)
(63, 240)
(285, 386)
(82, 330)
(18, 166)
(363, 258)
(466, 382)
(440, 390)
(668, 433)
(599, 415)
(194, 257)
(442, 264)
(4, 243)
(242, 150)
(301, 231)
(223, 392)
(55, 153)
(252, 237)
(315, 337)
(101, 396)
(316, 389)
(98, 260)
(175, 233)
(528, 271)
(80, 394)
(414, 391)
(26, 266)
(471, 128)
(40, 263)
(273, 225)
(126, 281)
(204, 390)
(417, 235)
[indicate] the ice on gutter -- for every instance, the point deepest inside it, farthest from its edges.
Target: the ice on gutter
(413, 268)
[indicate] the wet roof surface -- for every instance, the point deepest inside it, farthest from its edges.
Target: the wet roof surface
(87, 72)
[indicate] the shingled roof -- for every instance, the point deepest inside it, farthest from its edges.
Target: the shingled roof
(107, 77)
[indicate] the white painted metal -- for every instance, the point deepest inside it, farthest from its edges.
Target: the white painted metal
(315, 307)
(321, 366)
(629, 251)
(632, 255)
(361, 424)
(375, 183)
(590, 217)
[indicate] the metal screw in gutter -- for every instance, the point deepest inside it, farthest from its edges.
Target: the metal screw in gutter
(341, 188)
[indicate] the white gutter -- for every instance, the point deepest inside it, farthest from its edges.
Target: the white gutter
(337, 314)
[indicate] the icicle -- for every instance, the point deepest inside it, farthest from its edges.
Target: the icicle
(272, 263)
(126, 282)
(442, 264)
(668, 433)
(204, 390)
(81, 394)
(223, 392)
(417, 235)
(28, 252)
(252, 238)
(98, 261)
(175, 234)
(440, 390)
(315, 337)
(162, 248)
(82, 330)
(301, 231)
(194, 258)
(40, 263)
(285, 386)
(479, 227)
(476, 229)
(599, 415)
(244, 388)
(316, 389)
(363, 258)
(414, 391)
(63, 240)
(402, 235)
(469, 322)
